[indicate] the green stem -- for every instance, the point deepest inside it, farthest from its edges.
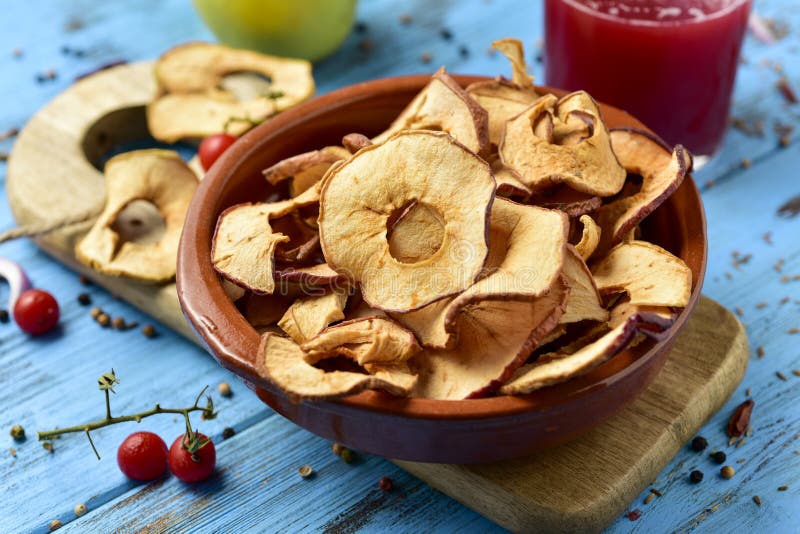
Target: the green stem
(108, 404)
(157, 409)
(88, 435)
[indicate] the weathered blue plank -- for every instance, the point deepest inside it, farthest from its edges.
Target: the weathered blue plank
(51, 381)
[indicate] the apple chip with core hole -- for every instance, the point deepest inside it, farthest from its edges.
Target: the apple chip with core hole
(526, 255)
(157, 176)
(369, 342)
(244, 243)
(590, 237)
(360, 197)
(553, 368)
(649, 275)
(494, 338)
(662, 173)
(209, 88)
(308, 316)
(443, 105)
(283, 362)
(562, 141)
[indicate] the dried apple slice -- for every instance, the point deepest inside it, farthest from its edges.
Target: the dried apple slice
(195, 101)
(244, 244)
(282, 361)
(417, 234)
(508, 180)
(584, 302)
(526, 255)
(494, 338)
(160, 177)
(355, 141)
(662, 173)
(650, 275)
(305, 169)
(444, 106)
(501, 98)
(362, 194)
(566, 199)
(562, 141)
(309, 316)
(558, 367)
(370, 341)
(266, 310)
(590, 237)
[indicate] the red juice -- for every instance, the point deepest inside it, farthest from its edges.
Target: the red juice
(670, 63)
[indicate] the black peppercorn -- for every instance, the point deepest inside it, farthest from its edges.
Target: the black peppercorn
(719, 457)
(228, 432)
(4, 317)
(446, 34)
(84, 299)
(696, 476)
(699, 444)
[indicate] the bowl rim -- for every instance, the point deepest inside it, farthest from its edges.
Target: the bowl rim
(205, 304)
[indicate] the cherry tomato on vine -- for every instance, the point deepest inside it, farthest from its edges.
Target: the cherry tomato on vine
(36, 311)
(212, 147)
(143, 456)
(192, 457)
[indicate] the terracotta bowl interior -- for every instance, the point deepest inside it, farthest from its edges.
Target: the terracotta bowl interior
(678, 225)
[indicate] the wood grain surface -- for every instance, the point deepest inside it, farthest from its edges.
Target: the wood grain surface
(51, 381)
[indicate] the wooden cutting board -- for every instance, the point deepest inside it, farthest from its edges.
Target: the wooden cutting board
(581, 486)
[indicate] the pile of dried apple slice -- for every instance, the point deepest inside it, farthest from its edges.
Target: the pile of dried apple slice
(485, 243)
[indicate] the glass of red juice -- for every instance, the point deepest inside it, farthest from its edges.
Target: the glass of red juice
(670, 63)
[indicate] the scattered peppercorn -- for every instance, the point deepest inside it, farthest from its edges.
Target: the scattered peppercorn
(17, 432)
(95, 312)
(783, 488)
(696, 476)
(305, 471)
(118, 323)
(746, 163)
(463, 51)
(55, 524)
(446, 34)
(84, 299)
(225, 389)
(757, 500)
(719, 457)
(84, 281)
(103, 319)
(149, 330)
(80, 509)
(347, 455)
(228, 432)
(4, 317)
(337, 449)
(760, 352)
(633, 515)
(386, 484)
(699, 444)
(360, 27)
(727, 472)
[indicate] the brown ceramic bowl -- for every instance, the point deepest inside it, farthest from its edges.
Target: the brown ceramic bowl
(478, 430)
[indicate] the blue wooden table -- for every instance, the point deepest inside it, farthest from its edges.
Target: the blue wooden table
(51, 381)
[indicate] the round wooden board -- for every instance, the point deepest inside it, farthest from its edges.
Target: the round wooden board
(52, 172)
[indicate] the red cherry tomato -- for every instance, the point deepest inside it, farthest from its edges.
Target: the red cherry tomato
(192, 467)
(212, 148)
(142, 456)
(36, 311)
